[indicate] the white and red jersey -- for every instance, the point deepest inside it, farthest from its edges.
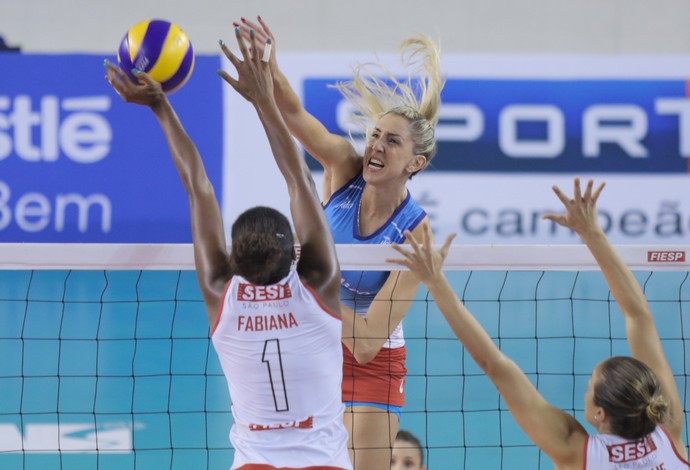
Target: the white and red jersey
(280, 350)
(656, 451)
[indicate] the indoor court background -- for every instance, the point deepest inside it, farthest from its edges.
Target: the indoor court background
(151, 324)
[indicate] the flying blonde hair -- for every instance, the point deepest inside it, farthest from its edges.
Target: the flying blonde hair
(374, 92)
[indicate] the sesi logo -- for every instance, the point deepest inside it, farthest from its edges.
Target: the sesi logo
(630, 451)
(304, 424)
(252, 293)
(666, 256)
(73, 127)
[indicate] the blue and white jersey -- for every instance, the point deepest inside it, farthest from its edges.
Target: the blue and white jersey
(359, 288)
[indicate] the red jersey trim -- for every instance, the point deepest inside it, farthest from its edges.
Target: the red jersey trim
(220, 309)
(320, 302)
(673, 444)
(584, 466)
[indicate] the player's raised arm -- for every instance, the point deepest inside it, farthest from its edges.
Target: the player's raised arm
(552, 430)
(335, 153)
(318, 261)
(582, 216)
(210, 249)
(365, 335)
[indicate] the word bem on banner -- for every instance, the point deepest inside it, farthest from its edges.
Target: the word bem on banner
(79, 165)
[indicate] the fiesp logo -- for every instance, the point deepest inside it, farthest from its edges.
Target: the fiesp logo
(666, 256)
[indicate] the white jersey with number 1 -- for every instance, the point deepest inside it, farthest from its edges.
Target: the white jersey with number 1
(280, 350)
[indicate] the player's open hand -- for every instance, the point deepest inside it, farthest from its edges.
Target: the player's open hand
(422, 259)
(147, 92)
(580, 211)
(254, 80)
(262, 34)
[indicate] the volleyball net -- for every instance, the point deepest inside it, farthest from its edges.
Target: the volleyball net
(106, 363)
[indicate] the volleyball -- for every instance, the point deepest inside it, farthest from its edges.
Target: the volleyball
(159, 48)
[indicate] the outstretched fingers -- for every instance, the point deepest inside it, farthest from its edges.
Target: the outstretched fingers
(577, 193)
(597, 192)
(242, 45)
(268, 46)
(588, 191)
(578, 208)
(413, 242)
(265, 27)
(259, 30)
(234, 60)
(228, 78)
(423, 260)
(117, 79)
(557, 218)
(409, 256)
(564, 199)
(591, 195)
(406, 261)
(143, 78)
(446, 245)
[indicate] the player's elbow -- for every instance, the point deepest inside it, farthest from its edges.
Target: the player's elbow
(496, 366)
(364, 351)
(198, 185)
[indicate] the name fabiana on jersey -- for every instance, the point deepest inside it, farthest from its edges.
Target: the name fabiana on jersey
(254, 297)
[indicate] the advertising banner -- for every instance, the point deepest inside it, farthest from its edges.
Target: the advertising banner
(510, 128)
(552, 126)
(77, 164)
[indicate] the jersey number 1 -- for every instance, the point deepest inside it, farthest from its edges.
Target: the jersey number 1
(271, 357)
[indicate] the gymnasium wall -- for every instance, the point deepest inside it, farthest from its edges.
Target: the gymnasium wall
(465, 26)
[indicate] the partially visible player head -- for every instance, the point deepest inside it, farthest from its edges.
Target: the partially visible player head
(262, 247)
(629, 393)
(408, 453)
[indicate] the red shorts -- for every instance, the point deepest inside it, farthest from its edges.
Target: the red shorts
(381, 380)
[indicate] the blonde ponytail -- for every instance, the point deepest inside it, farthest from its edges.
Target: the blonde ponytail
(374, 91)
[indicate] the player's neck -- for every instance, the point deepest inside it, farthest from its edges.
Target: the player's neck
(381, 201)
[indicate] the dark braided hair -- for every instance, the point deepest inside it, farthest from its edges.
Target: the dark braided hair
(262, 246)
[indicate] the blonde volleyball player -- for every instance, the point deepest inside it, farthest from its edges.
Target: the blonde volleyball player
(367, 202)
(276, 330)
(632, 402)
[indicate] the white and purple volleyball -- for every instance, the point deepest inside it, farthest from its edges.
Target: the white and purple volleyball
(159, 48)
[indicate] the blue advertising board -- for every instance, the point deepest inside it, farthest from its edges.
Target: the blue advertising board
(546, 126)
(77, 164)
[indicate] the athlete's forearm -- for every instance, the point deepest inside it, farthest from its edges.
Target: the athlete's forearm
(286, 98)
(620, 279)
(185, 154)
(365, 336)
(285, 152)
(467, 329)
